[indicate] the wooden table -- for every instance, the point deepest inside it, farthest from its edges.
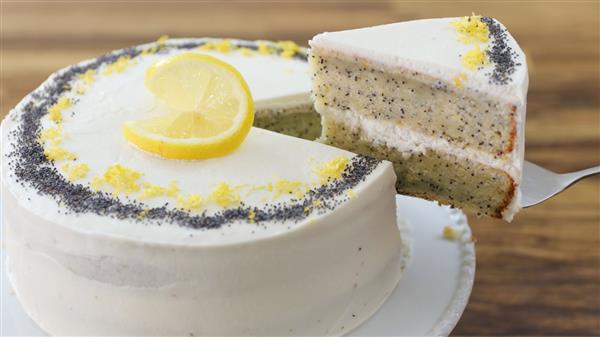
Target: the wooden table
(539, 275)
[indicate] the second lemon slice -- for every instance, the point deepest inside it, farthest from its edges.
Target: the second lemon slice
(212, 109)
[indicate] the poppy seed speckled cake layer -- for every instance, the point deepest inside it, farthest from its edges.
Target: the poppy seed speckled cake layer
(443, 99)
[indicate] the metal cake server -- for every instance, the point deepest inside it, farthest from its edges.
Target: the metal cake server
(539, 184)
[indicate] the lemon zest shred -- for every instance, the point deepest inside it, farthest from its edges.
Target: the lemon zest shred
(474, 58)
(65, 167)
(247, 51)
(241, 186)
(96, 183)
(459, 80)
(251, 216)
(351, 194)
(332, 169)
(80, 88)
(450, 233)
(119, 66)
(288, 48)
(189, 202)
(150, 190)
(264, 48)
(78, 171)
(471, 29)
(53, 135)
(143, 213)
(225, 196)
(283, 187)
(224, 46)
(173, 188)
(149, 51)
(58, 153)
(122, 179)
(266, 187)
(207, 46)
(162, 40)
(314, 204)
(88, 77)
(56, 109)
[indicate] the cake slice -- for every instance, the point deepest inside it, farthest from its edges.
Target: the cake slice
(443, 99)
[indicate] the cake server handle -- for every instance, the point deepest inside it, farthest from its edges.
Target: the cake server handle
(539, 184)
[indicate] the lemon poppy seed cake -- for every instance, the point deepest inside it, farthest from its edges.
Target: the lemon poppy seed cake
(107, 234)
(443, 99)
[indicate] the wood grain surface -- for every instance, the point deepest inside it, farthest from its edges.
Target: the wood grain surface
(540, 274)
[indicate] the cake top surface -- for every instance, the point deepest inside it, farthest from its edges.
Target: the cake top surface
(475, 52)
(65, 157)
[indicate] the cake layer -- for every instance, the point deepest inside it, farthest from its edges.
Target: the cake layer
(281, 237)
(303, 122)
(430, 173)
(427, 105)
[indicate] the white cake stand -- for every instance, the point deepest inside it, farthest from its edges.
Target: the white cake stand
(428, 301)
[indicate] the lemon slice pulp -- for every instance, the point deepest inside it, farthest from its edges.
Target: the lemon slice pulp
(211, 109)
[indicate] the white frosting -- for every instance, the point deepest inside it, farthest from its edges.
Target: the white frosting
(432, 47)
(322, 275)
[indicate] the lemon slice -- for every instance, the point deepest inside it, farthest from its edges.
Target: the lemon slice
(211, 109)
